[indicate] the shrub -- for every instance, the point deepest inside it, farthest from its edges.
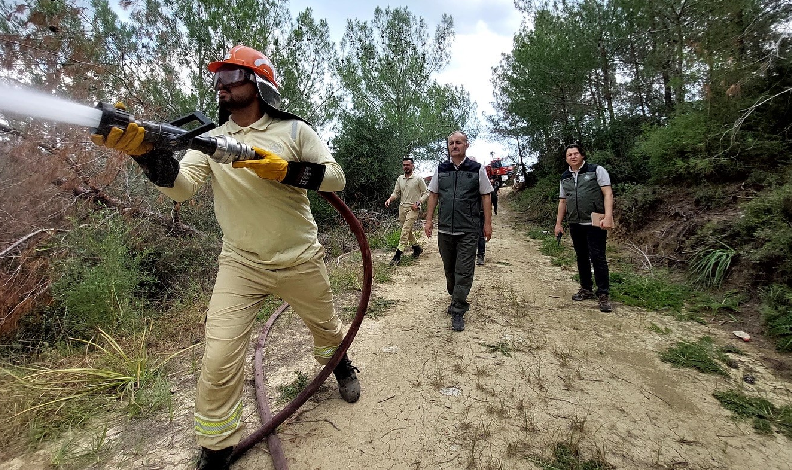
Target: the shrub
(763, 235)
(634, 203)
(686, 149)
(777, 311)
(539, 203)
(96, 278)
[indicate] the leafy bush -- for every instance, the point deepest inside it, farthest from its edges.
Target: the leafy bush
(681, 150)
(371, 164)
(96, 278)
(777, 311)
(539, 203)
(634, 203)
(762, 234)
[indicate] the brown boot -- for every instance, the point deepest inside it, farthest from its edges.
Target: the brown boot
(604, 303)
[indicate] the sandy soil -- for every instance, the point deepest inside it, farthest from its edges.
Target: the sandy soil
(532, 369)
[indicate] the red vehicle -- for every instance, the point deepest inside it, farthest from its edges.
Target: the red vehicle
(497, 168)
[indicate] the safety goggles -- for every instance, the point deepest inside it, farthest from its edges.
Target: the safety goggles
(232, 77)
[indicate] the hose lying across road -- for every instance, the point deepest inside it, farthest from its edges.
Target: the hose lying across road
(271, 423)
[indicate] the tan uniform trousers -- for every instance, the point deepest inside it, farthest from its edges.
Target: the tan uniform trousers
(407, 217)
(236, 299)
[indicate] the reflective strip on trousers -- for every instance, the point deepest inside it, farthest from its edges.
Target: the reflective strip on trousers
(325, 352)
(219, 427)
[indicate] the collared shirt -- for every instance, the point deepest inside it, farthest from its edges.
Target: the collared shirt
(485, 186)
(410, 190)
(603, 178)
(264, 222)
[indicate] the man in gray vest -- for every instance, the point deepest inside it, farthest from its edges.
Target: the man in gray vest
(461, 188)
(586, 189)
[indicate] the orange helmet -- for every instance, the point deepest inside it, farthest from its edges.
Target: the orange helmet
(248, 57)
(261, 66)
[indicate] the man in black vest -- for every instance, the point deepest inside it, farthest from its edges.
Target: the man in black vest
(586, 189)
(461, 188)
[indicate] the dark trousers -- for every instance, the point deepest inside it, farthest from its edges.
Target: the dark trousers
(482, 242)
(589, 243)
(459, 263)
(495, 201)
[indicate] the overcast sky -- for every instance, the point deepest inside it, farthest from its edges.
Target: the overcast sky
(484, 30)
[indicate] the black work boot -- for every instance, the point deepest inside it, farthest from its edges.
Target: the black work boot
(457, 321)
(417, 250)
(214, 459)
(584, 294)
(348, 384)
(396, 258)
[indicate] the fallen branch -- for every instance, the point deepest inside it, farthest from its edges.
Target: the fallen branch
(26, 238)
(648, 263)
(97, 195)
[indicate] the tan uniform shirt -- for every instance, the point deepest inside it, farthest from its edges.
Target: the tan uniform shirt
(264, 222)
(410, 190)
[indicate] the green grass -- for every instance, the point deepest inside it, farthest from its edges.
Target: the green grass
(268, 307)
(561, 254)
(503, 347)
(48, 400)
(289, 391)
(710, 265)
(376, 308)
(382, 273)
(701, 355)
(726, 303)
(346, 278)
(566, 456)
(764, 414)
(652, 291)
(659, 330)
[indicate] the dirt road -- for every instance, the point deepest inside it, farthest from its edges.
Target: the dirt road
(532, 369)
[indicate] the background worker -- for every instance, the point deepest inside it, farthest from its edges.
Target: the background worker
(496, 182)
(270, 241)
(586, 188)
(482, 241)
(411, 190)
(460, 188)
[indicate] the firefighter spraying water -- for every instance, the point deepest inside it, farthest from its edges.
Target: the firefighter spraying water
(260, 162)
(102, 118)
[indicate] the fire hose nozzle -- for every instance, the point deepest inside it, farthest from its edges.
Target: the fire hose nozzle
(221, 148)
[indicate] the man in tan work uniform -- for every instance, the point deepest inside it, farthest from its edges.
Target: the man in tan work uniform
(411, 190)
(270, 241)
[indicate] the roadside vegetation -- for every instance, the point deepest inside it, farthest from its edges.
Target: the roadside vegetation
(103, 282)
(126, 305)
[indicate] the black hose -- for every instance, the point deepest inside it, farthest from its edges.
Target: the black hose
(268, 427)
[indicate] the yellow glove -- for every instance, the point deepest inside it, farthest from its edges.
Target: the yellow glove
(271, 167)
(129, 141)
